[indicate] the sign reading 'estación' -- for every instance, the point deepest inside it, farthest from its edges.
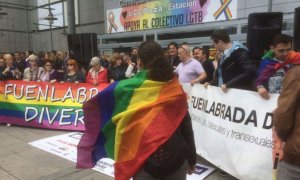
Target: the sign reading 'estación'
(134, 15)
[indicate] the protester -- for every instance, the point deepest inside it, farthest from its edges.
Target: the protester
(41, 58)
(287, 124)
(189, 70)
(155, 128)
(173, 54)
(117, 69)
(49, 74)
(235, 69)
(218, 57)
(104, 61)
(9, 71)
(132, 68)
(274, 65)
(201, 54)
(59, 62)
(134, 55)
(73, 74)
(33, 72)
(19, 63)
(97, 74)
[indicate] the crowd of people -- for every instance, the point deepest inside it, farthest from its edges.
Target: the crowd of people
(59, 67)
(232, 67)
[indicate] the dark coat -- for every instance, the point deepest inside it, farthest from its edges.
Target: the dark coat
(238, 71)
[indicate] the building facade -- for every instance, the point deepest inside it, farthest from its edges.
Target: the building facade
(24, 28)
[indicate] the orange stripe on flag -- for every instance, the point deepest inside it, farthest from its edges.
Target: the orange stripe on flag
(135, 129)
(158, 131)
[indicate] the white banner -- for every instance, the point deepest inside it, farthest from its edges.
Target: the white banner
(65, 146)
(233, 130)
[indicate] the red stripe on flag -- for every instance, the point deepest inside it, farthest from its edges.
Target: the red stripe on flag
(159, 130)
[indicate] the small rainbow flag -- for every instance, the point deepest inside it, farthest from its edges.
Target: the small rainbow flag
(128, 121)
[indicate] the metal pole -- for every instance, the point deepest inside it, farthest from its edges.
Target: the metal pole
(50, 23)
(28, 38)
(71, 17)
(13, 27)
(270, 5)
(51, 37)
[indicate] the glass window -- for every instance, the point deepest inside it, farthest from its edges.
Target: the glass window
(59, 11)
(244, 29)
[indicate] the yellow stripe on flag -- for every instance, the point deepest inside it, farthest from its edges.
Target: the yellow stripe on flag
(146, 94)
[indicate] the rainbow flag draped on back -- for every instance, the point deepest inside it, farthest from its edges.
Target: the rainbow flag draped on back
(269, 66)
(128, 121)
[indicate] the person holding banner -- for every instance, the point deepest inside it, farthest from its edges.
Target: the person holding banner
(287, 124)
(235, 68)
(9, 71)
(189, 70)
(73, 74)
(274, 65)
(49, 74)
(32, 73)
(97, 74)
(142, 123)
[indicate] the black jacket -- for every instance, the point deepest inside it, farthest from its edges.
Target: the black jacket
(238, 71)
(174, 61)
(209, 69)
(8, 76)
(171, 155)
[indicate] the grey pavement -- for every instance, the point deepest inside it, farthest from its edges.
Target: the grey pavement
(21, 161)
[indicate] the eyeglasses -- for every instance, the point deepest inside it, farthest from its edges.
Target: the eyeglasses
(70, 64)
(182, 47)
(48, 65)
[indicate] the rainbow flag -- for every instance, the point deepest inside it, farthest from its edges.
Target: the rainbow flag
(128, 121)
(269, 66)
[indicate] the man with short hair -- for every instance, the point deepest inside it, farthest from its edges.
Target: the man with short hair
(274, 66)
(287, 124)
(173, 54)
(235, 69)
(19, 63)
(202, 54)
(189, 70)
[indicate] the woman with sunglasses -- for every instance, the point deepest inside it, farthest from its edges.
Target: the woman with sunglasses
(49, 74)
(73, 73)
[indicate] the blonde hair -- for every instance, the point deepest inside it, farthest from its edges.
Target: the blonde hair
(114, 58)
(32, 57)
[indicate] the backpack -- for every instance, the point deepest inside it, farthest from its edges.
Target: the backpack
(168, 158)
